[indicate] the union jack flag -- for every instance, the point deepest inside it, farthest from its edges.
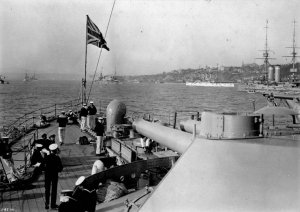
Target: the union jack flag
(94, 36)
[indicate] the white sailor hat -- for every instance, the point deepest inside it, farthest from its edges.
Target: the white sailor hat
(39, 145)
(100, 118)
(84, 104)
(53, 147)
(91, 102)
(80, 180)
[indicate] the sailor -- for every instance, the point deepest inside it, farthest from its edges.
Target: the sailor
(72, 117)
(143, 140)
(80, 200)
(37, 157)
(53, 166)
(99, 129)
(62, 123)
(271, 100)
(37, 161)
(98, 166)
(92, 110)
(146, 144)
(52, 139)
(44, 141)
(73, 202)
(43, 121)
(83, 117)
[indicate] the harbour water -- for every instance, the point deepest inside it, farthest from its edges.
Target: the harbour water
(18, 98)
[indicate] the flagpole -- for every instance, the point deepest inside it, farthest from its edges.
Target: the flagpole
(84, 82)
(111, 12)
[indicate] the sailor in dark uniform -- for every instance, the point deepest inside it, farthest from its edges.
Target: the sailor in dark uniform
(81, 200)
(37, 161)
(53, 166)
(44, 141)
(37, 157)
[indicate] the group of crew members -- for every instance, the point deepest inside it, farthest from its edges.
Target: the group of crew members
(45, 156)
(147, 144)
(88, 116)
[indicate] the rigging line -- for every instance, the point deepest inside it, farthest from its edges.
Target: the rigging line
(101, 50)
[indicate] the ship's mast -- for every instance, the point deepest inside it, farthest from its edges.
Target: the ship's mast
(294, 53)
(266, 56)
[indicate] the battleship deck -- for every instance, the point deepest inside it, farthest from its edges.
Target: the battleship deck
(77, 161)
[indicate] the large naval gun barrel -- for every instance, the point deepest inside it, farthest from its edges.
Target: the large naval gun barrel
(174, 139)
(214, 126)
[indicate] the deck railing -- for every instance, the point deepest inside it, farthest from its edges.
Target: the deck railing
(28, 121)
(171, 118)
(25, 129)
(27, 150)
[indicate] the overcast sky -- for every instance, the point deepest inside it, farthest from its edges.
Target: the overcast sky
(145, 37)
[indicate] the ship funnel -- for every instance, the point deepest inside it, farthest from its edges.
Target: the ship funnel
(277, 73)
(270, 74)
(115, 113)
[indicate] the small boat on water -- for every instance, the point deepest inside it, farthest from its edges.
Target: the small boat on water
(28, 78)
(3, 80)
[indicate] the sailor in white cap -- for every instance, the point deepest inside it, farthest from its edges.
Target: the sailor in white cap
(99, 129)
(92, 110)
(37, 161)
(37, 157)
(39, 145)
(83, 116)
(98, 166)
(53, 147)
(79, 180)
(53, 166)
(62, 123)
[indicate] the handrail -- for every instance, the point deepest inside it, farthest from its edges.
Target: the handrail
(27, 121)
(168, 117)
(27, 148)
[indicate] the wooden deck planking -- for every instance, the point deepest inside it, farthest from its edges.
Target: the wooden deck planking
(77, 160)
(5, 201)
(17, 199)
